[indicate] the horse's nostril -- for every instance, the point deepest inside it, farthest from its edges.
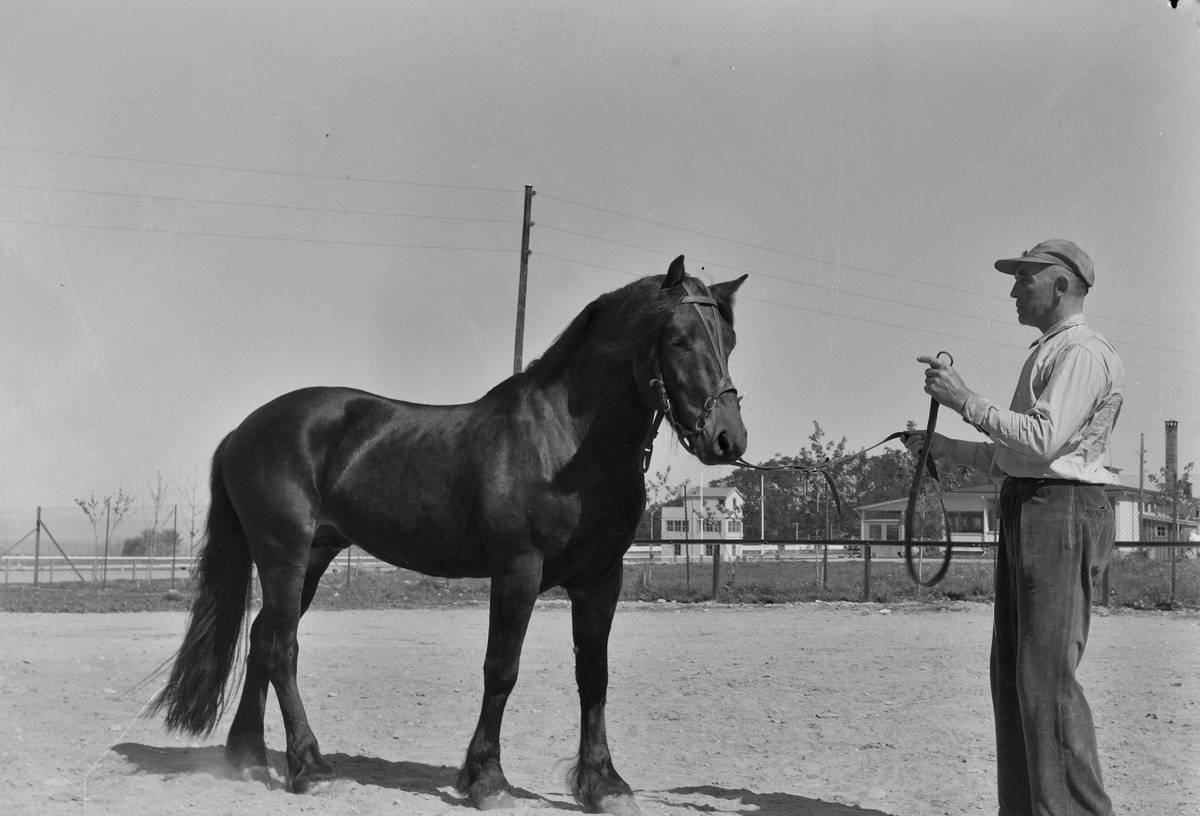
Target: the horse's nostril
(723, 443)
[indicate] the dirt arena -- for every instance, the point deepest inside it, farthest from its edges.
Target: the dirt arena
(824, 710)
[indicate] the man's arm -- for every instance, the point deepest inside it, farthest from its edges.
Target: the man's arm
(978, 455)
(1038, 435)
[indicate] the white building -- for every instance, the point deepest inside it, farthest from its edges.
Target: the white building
(703, 513)
(974, 517)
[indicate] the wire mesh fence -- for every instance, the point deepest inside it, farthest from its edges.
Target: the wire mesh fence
(158, 546)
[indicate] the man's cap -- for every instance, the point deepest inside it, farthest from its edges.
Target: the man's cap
(1055, 252)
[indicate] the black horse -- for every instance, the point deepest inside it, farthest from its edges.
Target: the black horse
(538, 484)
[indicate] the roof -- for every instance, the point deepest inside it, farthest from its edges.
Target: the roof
(713, 492)
(956, 502)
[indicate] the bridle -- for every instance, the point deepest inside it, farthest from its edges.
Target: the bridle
(658, 384)
(688, 435)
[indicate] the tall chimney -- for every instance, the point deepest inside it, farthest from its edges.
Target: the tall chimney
(1172, 463)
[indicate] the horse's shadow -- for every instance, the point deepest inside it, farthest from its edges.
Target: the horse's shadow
(438, 781)
(759, 804)
(413, 777)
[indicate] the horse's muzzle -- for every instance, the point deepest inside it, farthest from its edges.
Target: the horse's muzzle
(723, 439)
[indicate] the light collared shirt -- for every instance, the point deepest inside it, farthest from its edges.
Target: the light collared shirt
(1062, 413)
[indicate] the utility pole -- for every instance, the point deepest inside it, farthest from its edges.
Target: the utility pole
(1141, 488)
(520, 341)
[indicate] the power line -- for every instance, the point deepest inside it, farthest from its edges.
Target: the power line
(336, 210)
(860, 319)
(294, 174)
(286, 173)
(838, 264)
(888, 301)
(198, 234)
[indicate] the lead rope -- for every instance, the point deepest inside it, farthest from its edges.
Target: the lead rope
(910, 515)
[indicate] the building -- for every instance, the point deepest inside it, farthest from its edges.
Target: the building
(973, 516)
(702, 513)
(971, 511)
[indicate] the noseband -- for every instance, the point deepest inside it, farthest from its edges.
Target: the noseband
(688, 435)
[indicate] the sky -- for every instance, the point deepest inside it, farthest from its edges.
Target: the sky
(204, 206)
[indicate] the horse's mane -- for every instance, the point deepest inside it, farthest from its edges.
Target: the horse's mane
(618, 324)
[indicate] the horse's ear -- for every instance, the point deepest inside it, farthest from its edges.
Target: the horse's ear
(724, 291)
(675, 274)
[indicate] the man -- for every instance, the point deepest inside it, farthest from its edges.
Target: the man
(1056, 529)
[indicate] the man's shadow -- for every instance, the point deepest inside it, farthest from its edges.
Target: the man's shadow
(414, 777)
(759, 804)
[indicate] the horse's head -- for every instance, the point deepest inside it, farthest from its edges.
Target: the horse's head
(688, 370)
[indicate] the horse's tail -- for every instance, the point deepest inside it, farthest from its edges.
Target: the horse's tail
(195, 696)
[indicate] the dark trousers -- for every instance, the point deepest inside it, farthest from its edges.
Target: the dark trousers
(1055, 541)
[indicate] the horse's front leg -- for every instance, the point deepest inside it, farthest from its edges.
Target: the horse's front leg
(594, 782)
(514, 592)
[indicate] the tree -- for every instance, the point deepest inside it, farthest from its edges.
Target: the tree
(1176, 496)
(150, 542)
(109, 511)
(191, 521)
(659, 492)
(800, 505)
(157, 492)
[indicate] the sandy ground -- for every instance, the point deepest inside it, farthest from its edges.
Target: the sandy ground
(826, 710)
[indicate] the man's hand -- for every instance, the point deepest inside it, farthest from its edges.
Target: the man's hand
(944, 385)
(915, 440)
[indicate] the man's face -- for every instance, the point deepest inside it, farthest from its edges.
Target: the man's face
(1033, 289)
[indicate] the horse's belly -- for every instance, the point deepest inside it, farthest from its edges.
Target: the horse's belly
(443, 550)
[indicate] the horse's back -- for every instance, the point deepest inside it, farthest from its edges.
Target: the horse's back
(341, 466)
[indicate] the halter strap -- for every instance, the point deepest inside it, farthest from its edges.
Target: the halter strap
(725, 385)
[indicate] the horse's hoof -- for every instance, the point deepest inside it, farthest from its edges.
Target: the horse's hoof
(497, 800)
(620, 805)
(314, 783)
(256, 773)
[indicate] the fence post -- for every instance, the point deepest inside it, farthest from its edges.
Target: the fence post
(716, 571)
(1104, 584)
(1174, 552)
(37, 547)
(866, 572)
(174, 541)
(107, 524)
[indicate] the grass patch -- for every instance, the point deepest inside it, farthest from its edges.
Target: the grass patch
(1135, 583)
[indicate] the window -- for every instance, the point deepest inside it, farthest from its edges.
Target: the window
(708, 550)
(712, 526)
(966, 522)
(679, 549)
(735, 526)
(676, 526)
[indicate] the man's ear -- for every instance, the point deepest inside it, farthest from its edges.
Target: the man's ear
(1062, 283)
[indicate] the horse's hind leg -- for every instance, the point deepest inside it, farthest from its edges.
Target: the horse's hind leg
(594, 781)
(246, 747)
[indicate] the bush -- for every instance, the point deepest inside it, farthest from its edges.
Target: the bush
(151, 542)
